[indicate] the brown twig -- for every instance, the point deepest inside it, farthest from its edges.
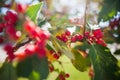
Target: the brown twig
(17, 46)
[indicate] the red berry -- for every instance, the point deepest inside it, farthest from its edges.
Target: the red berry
(61, 77)
(51, 68)
(64, 39)
(98, 33)
(79, 37)
(51, 51)
(21, 8)
(29, 26)
(12, 17)
(101, 42)
(58, 37)
(2, 25)
(63, 35)
(10, 30)
(41, 52)
(67, 75)
(67, 33)
(56, 56)
(8, 48)
(1, 29)
(87, 34)
(73, 39)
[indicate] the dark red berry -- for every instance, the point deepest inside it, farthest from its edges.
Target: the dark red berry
(67, 75)
(64, 39)
(1, 29)
(79, 37)
(56, 56)
(87, 34)
(61, 76)
(8, 48)
(73, 39)
(67, 33)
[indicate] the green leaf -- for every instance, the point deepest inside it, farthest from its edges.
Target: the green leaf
(34, 76)
(83, 46)
(39, 65)
(109, 9)
(81, 63)
(24, 68)
(33, 10)
(7, 72)
(104, 63)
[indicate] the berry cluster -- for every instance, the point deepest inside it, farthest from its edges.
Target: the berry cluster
(95, 37)
(39, 37)
(115, 22)
(35, 33)
(10, 51)
(63, 76)
(56, 55)
(8, 26)
(68, 37)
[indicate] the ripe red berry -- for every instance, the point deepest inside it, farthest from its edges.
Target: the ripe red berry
(63, 35)
(67, 75)
(64, 39)
(41, 52)
(11, 31)
(79, 37)
(58, 37)
(98, 33)
(101, 42)
(2, 25)
(29, 26)
(73, 39)
(51, 68)
(87, 34)
(61, 76)
(8, 48)
(56, 56)
(1, 29)
(68, 33)
(12, 17)
(21, 7)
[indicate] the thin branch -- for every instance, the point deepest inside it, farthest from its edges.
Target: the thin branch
(85, 17)
(17, 46)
